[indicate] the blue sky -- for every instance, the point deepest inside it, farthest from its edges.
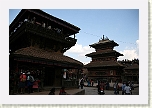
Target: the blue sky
(120, 25)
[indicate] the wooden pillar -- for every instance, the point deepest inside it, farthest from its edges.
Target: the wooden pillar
(58, 78)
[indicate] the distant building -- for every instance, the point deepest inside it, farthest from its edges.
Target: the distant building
(104, 65)
(131, 70)
(37, 43)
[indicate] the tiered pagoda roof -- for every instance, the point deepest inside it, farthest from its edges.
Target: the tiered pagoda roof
(44, 57)
(103, 64)
(34, 23)
(43, 16)
(104, 56)
(104, 42)
(104, 53)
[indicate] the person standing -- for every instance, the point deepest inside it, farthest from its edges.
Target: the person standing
(127, 89)
(82, 83)
(30, 80)
(92, 83)
(22, 82)
(123, 88)
(115, 88)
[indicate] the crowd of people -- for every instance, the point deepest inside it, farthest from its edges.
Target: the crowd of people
(23, 82)
(126, 88)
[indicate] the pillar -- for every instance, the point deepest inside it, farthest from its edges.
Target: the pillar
(58, 77)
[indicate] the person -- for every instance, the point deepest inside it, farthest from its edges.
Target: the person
(127, 89)
(22, 82)
(62, 91)
(123, 88)
(107, 85)
(92, 83)
(102, 86)
(82, 83)
(98, 86)
(52, 91)
(43, 24)
(115, 88)
(30, 80)
(131, 84)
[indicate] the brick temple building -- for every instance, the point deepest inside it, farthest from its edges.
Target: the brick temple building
(37, 42)
(104, 65)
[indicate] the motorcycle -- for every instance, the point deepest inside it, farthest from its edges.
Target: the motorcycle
(101, 92)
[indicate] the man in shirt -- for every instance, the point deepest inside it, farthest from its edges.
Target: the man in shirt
(127, 89)
(123, 88)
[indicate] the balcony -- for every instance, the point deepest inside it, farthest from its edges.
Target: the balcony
(37, 29)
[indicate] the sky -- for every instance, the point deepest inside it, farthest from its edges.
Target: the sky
(120, 25)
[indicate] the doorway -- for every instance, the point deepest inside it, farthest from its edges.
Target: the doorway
(49, 76)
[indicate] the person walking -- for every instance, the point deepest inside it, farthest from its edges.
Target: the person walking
(127, 89)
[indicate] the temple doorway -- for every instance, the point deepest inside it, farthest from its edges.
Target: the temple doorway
(49, 76)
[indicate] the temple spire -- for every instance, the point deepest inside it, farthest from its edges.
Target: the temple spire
(103, 37)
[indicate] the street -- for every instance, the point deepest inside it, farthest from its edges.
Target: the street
(93, 91)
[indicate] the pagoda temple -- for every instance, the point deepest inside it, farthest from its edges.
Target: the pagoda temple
(37, 42)
(104, 65)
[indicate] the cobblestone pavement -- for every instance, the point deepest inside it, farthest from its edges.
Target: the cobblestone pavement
(88, 91)
(93, 91)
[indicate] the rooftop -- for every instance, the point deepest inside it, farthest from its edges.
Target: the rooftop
(111, 52)
(103, 64)
(104, 41)
(45, 17)
(47, 55)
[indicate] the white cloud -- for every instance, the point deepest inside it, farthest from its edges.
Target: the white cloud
(130, 54)
(78, 52)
